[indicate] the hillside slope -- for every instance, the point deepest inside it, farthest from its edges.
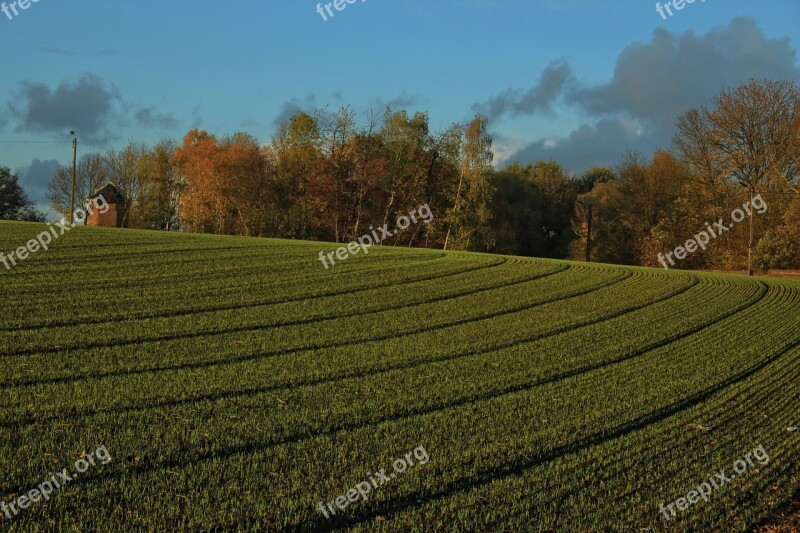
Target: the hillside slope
(237, 383)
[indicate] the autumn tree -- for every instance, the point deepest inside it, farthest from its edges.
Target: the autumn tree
(406, 143)
(780, 246)
(671, 210)
(201, 202)
(754, 129)
(157, 204)
(242, 166)
(611, 236)
(368, 170)
(297, 156)
(339, 164)
(694, 144)
(746, 143)
(468, 220)
(629, 204)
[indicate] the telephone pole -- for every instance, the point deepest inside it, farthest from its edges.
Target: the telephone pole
(72, 190)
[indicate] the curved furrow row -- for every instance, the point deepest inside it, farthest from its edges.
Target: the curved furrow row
(281, 291)
(549, 395)
(360, 368)
(301, 431)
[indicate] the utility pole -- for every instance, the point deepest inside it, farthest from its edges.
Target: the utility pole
(72, 190)
(750, 244)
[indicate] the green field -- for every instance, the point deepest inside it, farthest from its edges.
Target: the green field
(236, 384)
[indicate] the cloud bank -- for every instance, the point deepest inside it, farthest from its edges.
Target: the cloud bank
(90, 106)
(652, 85)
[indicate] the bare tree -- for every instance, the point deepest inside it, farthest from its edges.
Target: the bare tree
(91, 173)
(126, 168)
(754, 128)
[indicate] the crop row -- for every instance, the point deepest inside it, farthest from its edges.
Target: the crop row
(190, 270)
(465, 464)
(241, 317)
(205, 386)
(547, 393)
(373, 325)
(251, 290)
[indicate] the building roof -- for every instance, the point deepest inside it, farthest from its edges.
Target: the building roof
(110, 193)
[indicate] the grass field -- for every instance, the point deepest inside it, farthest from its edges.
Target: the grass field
(237, 384)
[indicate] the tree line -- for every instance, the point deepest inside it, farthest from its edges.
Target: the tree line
(747, 142)
(330, 176)
(323, 176)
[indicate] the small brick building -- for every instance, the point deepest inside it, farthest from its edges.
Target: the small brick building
(115, 216)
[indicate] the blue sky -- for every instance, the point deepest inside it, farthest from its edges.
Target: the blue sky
(579, 81)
